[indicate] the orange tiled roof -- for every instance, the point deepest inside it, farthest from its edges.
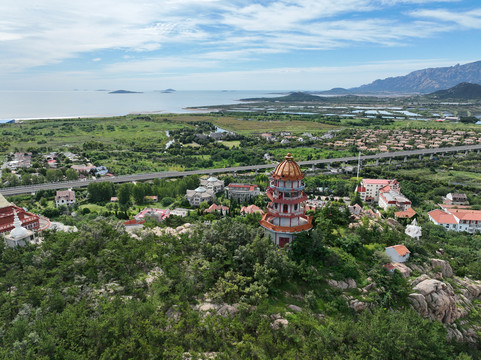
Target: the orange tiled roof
(441, 217)
(401, 249)
(251, 209)
(406, 214)
(466, 214)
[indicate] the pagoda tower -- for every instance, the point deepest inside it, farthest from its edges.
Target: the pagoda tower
(286, 215)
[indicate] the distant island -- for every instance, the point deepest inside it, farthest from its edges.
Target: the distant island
(166, 91)
(125, 92)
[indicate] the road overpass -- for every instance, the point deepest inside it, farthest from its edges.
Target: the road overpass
(171, 174)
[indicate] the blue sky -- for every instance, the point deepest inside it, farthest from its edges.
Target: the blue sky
(229, 44)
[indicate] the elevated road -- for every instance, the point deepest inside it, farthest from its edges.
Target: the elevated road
(170, 174)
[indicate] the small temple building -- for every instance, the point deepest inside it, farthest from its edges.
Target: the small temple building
(19, 236)
(286, 215)
(7, 217)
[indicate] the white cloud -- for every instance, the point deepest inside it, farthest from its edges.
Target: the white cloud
(169, 36)
(468, 19)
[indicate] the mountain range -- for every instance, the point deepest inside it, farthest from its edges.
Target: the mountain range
(419, 82)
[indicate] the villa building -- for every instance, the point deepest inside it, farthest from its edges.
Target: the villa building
(457, 219)
(369, 188)
(389, 197)
(220, 208)
(455, 199)
(195, 197)
(212, 183)
(285, 214)
(66, 197)
(386, 193)
(152, 214)
(242, 192)
(251, 209)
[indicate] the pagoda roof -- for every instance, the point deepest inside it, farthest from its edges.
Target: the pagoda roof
(288, 170)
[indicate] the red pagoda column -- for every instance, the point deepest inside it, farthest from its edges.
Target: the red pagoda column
(286, 215)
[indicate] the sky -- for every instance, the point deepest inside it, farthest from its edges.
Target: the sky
(229, 44)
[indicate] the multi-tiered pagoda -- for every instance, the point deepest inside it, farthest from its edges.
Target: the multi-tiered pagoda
(286, 214)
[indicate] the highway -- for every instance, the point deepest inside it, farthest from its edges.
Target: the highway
(170, 174)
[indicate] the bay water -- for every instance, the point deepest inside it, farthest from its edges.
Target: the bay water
(65, 104)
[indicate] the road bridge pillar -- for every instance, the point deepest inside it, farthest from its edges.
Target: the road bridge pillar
(257, 170)
(405, 159)
(329, 166)
(313, 167)
(477, 151)
(390, 160)
(377, 162)
(343, 164)
(466, 152)
(431, 156)
(420, 157)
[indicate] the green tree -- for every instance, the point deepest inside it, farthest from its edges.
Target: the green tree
(139, 193)
(71, 174)
(100, 192)
(124, 193)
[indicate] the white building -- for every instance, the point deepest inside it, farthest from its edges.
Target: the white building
(457, 219)
(195, 197)
(398, 253)
(369, 188)
(242, 192)
(212, 183)
(65, 197)
(179, 212)
(393, 198)
(456, 199)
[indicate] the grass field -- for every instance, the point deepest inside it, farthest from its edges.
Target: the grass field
(454, 177)
(133, 129)
(230, 144)
(246, 127)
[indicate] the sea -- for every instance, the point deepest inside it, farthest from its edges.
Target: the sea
(26, 105)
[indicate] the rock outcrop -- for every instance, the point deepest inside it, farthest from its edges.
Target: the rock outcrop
(343, 285)
(294, 308)
(403, 269)
(443, 266)
(439, 299)
(224, 310)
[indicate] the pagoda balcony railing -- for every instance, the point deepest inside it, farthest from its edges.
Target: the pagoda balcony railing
(279, 198)
(301, 211)
(287, 229)
(282, 188)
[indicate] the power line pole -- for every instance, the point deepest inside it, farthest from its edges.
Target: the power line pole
(358, 165)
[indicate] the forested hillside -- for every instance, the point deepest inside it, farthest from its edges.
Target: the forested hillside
(222, 291)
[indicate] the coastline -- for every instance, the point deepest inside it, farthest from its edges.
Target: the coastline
(190, 110)
(38, 105)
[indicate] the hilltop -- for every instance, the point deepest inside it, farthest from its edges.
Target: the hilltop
(293, 97)
(462, 91)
